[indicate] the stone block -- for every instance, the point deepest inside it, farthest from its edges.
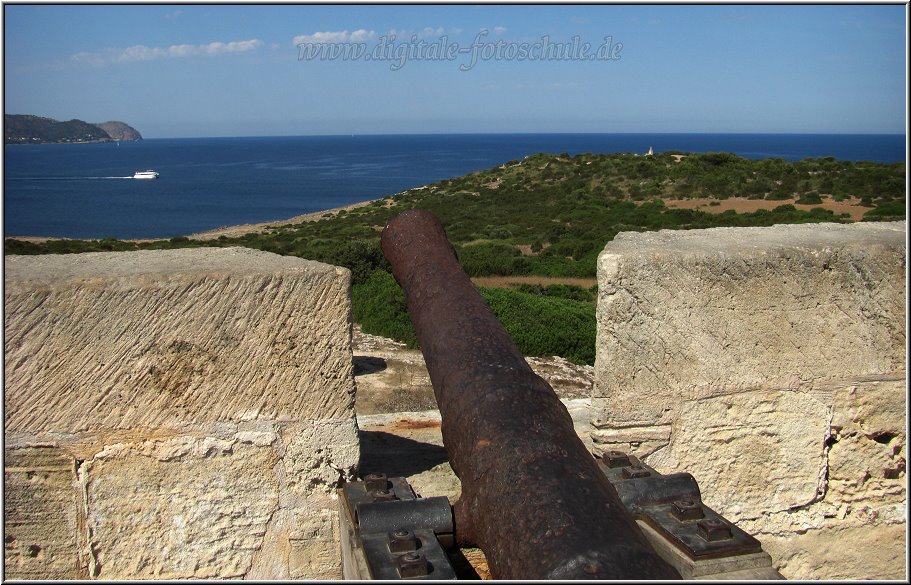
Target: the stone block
(179, 509)
(199, 406)
(864, 552)
(752, 452)
(770, 363)
(155, 339)
(42, 529)
(699, 313)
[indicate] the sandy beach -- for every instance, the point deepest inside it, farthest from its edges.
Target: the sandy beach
(239, 230)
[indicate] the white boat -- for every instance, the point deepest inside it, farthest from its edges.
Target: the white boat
(145, 175)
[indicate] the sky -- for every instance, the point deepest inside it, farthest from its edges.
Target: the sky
(243, 70)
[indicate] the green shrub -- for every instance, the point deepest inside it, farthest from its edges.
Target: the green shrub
(14, 246)
(546, 326)
(378, 305)
(574, 248)
(716, 159)
(810, 199)
(493, 259)
(361, 257)
(562, 291)
(540, 325)
(891, 210)
(547, 264)
(778, 194)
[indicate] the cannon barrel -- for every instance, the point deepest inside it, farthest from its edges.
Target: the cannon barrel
(533, 498)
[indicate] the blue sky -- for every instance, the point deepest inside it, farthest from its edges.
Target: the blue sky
(234, 70)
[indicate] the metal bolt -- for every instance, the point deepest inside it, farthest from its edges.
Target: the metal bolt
(714, 529)
(375, 482)
(383, 496)
(413, 564)
(635, 472)
(616, 459)
(687, 510)
(402, 541)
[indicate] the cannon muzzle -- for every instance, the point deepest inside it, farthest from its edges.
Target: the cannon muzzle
(533, 498)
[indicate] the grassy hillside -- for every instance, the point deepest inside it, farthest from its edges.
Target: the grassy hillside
(550, 215)
(23, 129)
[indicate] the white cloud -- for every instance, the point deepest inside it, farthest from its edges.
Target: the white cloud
(144, 53)
(362, 35)
(218, 48)
(498, 30)
(404, 35)
(342, 36)
(431, 32)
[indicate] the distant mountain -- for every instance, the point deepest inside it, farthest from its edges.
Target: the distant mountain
(120, 131)
(25, 129)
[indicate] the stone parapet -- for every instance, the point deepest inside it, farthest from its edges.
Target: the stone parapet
(770, 363)
(175, 414)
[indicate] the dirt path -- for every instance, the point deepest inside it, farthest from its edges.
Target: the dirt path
(742, 205)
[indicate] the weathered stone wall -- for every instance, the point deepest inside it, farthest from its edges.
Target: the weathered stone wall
(175, 414)
(770, 363)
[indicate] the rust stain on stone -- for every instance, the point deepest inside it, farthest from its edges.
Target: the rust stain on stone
(411, 424)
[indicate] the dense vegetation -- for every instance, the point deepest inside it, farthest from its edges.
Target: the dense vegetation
(558, 322)
(24, 129)
(550, 215)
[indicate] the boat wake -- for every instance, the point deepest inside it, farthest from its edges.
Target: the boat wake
(63, 178)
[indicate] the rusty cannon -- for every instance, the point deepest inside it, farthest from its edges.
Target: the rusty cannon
(533, 498)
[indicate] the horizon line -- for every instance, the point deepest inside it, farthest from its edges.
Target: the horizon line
(347, 134)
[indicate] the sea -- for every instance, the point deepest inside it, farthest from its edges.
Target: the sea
(86, 191)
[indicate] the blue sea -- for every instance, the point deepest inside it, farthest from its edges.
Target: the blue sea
(86, 190)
